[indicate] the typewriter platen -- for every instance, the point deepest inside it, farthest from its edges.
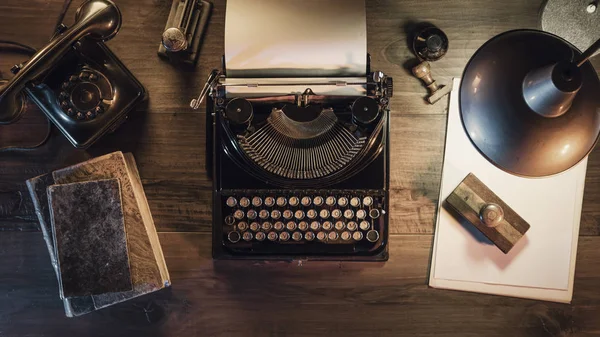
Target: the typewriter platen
(297, 142)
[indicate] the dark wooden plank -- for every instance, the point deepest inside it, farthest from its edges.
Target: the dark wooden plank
(169, 150)
(231, 298)
(468, 24)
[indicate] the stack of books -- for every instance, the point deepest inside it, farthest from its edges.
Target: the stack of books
(99, 232)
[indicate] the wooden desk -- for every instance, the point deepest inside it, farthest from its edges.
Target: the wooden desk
(275, 299)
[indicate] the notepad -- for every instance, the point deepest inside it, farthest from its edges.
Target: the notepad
(542, 263)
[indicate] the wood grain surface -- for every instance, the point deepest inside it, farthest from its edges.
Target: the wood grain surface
(247, 299)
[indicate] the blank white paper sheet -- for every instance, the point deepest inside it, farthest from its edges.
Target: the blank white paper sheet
(542, 263)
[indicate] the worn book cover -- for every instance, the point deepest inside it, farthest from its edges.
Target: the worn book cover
(148, 269)
(89, 235)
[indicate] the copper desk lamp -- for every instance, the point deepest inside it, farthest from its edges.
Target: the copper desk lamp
(530, 103)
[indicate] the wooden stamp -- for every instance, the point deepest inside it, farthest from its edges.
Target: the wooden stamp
(488, 213)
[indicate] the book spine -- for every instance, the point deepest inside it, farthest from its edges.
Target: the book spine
(43, 225)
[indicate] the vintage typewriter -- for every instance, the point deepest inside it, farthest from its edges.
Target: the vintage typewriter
(299, 162)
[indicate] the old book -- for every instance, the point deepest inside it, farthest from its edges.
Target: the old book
(38, 186)
(148, 268)
(89, 235)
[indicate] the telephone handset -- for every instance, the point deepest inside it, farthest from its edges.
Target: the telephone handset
(79, 84)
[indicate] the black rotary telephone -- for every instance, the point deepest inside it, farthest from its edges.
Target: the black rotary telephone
(77, 82)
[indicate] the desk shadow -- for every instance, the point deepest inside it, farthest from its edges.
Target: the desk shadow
(268, 281)
(127, 137)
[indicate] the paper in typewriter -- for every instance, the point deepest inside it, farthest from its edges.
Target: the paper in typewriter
(541, 265)
(291, 38)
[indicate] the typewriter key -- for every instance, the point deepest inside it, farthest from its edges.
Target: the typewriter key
(256, 202)
(297, 236)
(355, 202)
(281, 201)
(364, 225)
(330, 201)
(242, 226)
(343, 202)
(294, 201)
(272, 236)
(275, 214)
(260, 236)
(327, 225)
(348, 214)
(231, 202)
(372, 235)
(238, 214)
(357, 236)
(233, 237)
(287, 214)
(255, 226)
(299, 214)
(352, 226)
(336, 214)
(309, 236)
(332, 236)
(291, 226)
(266, 226)
(247, 236)
(303, 226)
(278, 226)
(324, 214)
(269, 201)
(244, 202)
(346, 236)
(251, 214)
(263, 214)
(374, 213)
(361, 214)
(368, 201)
(318, 201)
(322, 236)
(311, 214)
(229, 220)
(305, 201)
(284, 236)
(340, 225)
(315, 225)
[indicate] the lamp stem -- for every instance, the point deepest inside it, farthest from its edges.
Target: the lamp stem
(588, 53)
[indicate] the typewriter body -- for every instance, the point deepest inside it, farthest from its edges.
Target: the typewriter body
(299, 162)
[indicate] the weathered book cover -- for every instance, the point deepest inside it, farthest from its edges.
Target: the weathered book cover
(38, 186)
(89, 235)
(153, 262)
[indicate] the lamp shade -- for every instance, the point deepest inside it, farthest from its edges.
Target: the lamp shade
(526, 107)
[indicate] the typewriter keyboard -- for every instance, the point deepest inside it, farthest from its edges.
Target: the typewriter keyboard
(327, 219)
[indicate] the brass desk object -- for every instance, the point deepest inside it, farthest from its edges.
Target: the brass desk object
(436, 92)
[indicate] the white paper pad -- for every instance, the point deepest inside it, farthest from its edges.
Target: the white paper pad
(542, 263)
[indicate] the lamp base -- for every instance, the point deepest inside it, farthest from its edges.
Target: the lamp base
(576, 21)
